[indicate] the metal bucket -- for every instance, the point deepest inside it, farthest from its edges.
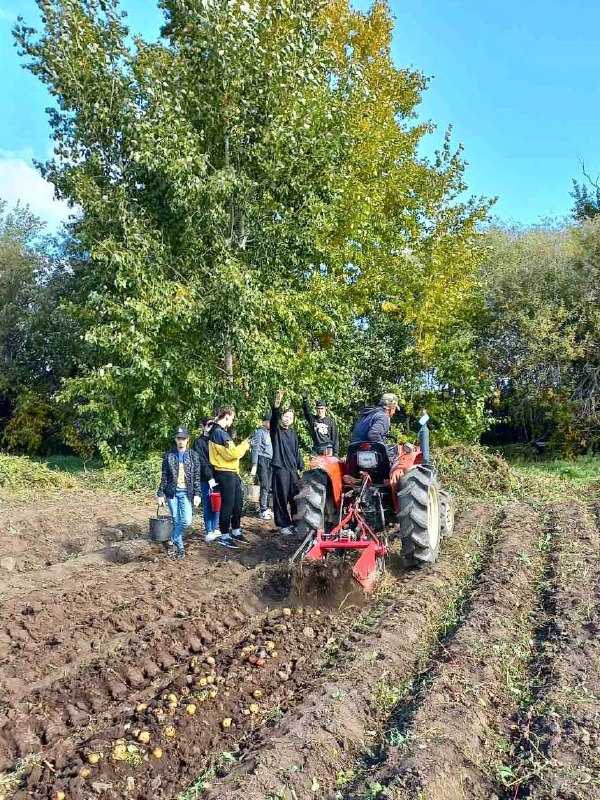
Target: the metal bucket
(252, 492)
(161, 527)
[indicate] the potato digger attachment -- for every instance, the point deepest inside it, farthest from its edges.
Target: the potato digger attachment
(379, 493)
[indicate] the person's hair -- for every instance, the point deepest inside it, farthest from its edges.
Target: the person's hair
(389, 400)
(207, 421)
(289, 411)
(224, 411)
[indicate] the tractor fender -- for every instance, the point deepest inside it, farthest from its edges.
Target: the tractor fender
(335, 469)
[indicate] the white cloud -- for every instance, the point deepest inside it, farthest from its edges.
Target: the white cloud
(20, 181)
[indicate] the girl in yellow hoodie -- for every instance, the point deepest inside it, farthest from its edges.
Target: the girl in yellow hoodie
(224, 457)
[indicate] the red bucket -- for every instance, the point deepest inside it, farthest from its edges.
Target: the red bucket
(215, 500)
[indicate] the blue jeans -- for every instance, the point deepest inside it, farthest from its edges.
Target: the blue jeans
(211, 518)
(181, 511)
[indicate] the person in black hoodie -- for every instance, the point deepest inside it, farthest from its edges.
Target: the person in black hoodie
(287, 466)
(322, 428)
(208, 482)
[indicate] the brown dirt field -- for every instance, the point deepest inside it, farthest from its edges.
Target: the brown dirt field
(560, 732)
(40, 532)
(486, 661)
(452, 731)
(338, 719)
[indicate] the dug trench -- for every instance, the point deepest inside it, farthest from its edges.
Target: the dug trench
(447, 738)
(297, 656)
(555, 747)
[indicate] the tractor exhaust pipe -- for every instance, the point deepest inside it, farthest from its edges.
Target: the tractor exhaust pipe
(424, 436)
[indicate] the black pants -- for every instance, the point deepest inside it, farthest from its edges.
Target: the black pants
(231, 499)
(265, 478)
(285, 489)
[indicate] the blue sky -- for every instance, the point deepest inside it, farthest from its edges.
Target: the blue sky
(517, 80)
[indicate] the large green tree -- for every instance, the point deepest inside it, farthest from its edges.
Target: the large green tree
(542, 331)
(252, 206)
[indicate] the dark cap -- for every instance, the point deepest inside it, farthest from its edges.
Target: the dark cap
(321, 404)
(206, 420)
(181, 432)
(266, 417)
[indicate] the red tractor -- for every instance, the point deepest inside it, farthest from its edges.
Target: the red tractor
(379, 491)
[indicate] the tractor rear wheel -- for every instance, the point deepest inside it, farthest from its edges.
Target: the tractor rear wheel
(419, 516)
(446, 513)
(310, 503)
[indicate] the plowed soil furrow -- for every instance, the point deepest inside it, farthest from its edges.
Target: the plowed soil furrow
(38, 534)
(336, 721)
(162, 614)
(447, 743)
(97, 608)
(560, 730)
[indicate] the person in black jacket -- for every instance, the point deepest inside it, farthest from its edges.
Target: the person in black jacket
(208, 482)
(180, 484)
(322, 428)
(287, 466)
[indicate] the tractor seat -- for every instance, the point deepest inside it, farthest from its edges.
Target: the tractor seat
(369, 457)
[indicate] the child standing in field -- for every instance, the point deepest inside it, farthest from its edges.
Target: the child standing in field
(225, 458)
(208, 482)
(180, 484)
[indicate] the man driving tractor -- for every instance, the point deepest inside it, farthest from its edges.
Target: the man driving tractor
(374, 424)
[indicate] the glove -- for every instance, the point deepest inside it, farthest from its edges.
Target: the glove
(212, 483)
(196, 501)
(254, 470)
(160, 500)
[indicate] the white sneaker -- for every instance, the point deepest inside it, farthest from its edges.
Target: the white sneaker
(266, 514)
(288, 532)
(212, 536)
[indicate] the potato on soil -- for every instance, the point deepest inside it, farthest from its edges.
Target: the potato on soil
(119, 752)
(84, 773)
(287, 612)
(274, 654)
(226, 723)
(93, 758)
(144, 737)
(257, 694)
(58, 796)
(254, 708)
(260, 662)
(212, 694)
(269, 646)
(172, 698)
(210, 661)
(190, 709)
(141, 707)
(169, 731)
(157, 752)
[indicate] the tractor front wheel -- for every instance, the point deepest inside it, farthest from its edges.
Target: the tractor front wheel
(419, 516)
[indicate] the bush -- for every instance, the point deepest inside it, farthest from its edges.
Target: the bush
(21, 473)
(473, 470)
(135, 476)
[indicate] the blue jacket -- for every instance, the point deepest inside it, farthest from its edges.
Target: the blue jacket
(373, 425)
